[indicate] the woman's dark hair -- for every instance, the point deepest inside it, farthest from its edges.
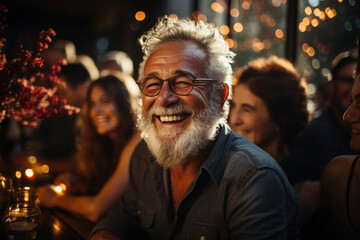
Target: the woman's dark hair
(280, 86)
(100, 153)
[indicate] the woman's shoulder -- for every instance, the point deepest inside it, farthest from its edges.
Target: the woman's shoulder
(338, 167)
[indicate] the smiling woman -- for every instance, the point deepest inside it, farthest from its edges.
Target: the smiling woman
(108, 140)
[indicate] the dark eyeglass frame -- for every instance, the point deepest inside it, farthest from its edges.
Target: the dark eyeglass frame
(171, 80)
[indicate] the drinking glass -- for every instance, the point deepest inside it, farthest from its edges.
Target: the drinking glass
(22, 218)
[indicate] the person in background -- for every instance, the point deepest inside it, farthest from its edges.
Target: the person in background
(192, 177)
(268, 107)
(56, 140)
(109, 137)
(328, 135)
(59, 49)
(340, 182)
(90, 65)
(117, 61)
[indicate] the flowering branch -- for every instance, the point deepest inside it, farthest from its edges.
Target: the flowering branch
(23, 94)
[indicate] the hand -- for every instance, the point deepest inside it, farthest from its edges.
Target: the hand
(103, 234)
(48, 195)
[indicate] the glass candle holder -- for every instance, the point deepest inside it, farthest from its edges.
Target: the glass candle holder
(5, 192)
(22, 218)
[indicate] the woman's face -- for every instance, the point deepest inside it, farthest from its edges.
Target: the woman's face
(103, 112)
(250, 118)
(352, 115)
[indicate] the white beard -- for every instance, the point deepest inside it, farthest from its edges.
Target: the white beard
(184, 144)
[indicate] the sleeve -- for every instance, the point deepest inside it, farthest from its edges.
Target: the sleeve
(266, 207)
(123, 219)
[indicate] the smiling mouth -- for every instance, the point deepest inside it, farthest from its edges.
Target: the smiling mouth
(100, 119)
(172, 118)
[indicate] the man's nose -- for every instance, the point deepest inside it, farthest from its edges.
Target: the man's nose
(166, 96)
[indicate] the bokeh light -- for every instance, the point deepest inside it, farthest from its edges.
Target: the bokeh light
(29, 172)
(140, 16)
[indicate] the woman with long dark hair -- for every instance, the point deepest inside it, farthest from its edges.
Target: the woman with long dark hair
(108, 139)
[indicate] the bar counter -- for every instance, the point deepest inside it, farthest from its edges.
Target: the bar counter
(59, 225)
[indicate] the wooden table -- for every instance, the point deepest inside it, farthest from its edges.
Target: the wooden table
(61, 225)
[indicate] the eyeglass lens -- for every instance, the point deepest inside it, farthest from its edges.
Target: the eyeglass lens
(180, 84)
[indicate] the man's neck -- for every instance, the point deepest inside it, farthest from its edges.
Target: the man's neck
(182, 176)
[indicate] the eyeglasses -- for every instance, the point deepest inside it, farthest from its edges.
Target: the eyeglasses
(181, 84)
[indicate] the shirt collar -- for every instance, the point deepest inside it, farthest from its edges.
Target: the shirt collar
(216, 162)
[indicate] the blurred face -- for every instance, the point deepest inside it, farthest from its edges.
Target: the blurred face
(176, 127)
(352, 116)
(103, 113)
(343, 86)
(250, 118)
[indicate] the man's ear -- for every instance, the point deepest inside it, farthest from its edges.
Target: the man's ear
(226, 91)
(224, 95)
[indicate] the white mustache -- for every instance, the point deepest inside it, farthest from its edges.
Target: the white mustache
(173, 110)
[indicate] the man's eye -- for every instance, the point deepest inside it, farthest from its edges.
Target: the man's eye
(152, 84)
(182, 82)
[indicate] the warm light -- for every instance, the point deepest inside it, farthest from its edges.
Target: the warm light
(331, 13)
(322, 15)
(263, 18)
(245, 5)
(238, 27)
(62, 186)
(340, 1)
(315, 22)
(308, 10)
(276, 3)
(271, 22)
(279, 33)
(199, 16)
(45, 168)
(234, 12)
(257, 45)
(173, 16)
(224, 30)
(310, 51)
(57, 189)
(32, 159)
(230, 42)
(18, 174)
(29, 172)
(306, 21)
(140, 15)
(302, 27)
(217, 7)
(317, 12)
(305, 47)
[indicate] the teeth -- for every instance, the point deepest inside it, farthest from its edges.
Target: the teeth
(101, 119)
(172, 118)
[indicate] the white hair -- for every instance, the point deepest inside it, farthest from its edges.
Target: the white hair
(207, 37)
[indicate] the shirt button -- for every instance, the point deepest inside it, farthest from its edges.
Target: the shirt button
(202, 238)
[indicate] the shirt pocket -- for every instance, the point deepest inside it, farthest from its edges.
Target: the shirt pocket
(146, 216)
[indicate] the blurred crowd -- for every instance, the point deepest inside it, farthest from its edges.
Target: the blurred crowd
(89, 153)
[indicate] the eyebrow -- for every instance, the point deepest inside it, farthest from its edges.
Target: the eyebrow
(249, 106)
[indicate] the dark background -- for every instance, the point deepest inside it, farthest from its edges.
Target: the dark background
(83, 22)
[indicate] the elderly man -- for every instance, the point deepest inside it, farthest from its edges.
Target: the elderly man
(193, 178)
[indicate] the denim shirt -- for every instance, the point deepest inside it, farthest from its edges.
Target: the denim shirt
(240, 192)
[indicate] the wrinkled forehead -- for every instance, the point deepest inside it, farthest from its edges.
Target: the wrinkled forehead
(177, 55)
